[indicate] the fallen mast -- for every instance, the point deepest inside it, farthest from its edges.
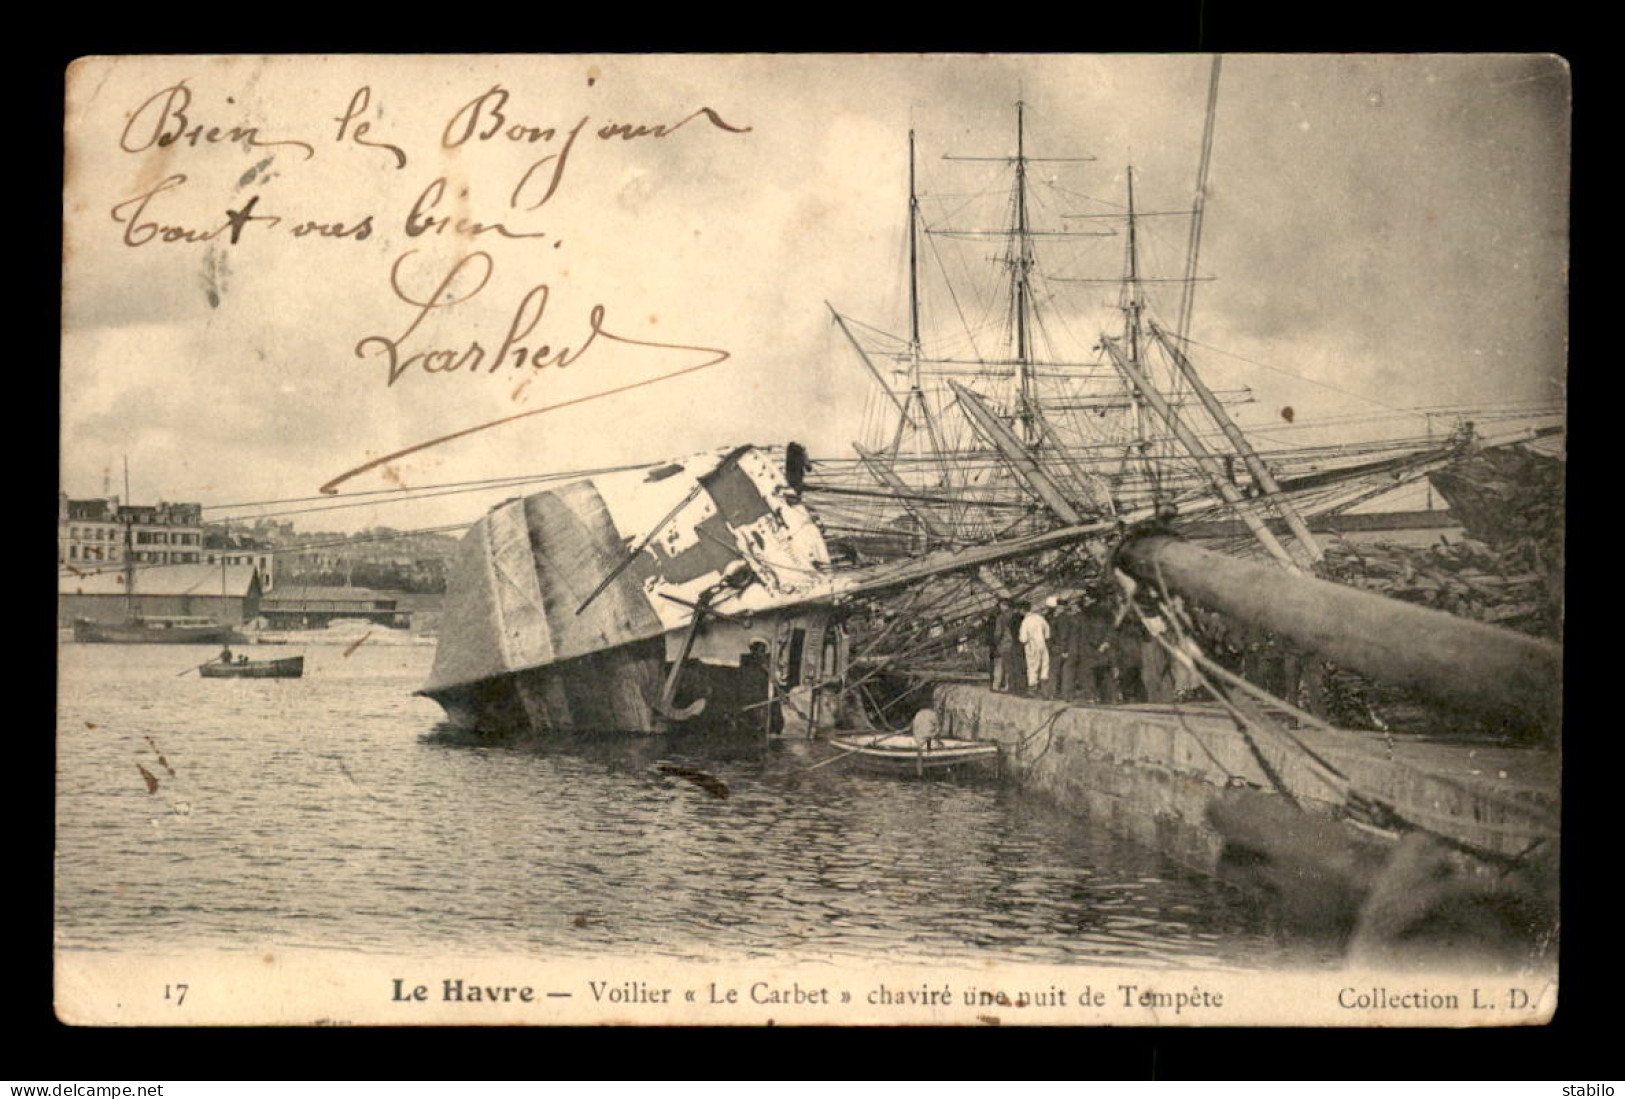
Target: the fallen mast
(1511, 680)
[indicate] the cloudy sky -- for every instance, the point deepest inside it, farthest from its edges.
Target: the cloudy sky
(1394, 227)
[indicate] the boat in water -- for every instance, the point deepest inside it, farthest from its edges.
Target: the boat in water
(903, 753)
(156, 630)
(136, 590)
(349, 632)
(290, 667)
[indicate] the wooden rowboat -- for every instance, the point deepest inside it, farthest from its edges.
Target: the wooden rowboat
(900, 753)
(291, 667)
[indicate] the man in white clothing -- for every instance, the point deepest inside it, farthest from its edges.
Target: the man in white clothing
(1035, 640)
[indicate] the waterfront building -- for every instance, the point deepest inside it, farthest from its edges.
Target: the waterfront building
(229, 594)
(93, 534)
(308, 607)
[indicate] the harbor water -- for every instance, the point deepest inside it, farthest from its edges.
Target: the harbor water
(336, 812)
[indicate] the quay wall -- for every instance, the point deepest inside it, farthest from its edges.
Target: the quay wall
(1149, 772)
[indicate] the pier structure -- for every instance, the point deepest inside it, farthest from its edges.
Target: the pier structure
(1150, 772)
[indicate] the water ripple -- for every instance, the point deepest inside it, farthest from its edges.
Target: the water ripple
(333, 812)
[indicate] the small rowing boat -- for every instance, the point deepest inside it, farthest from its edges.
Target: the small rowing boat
(901, 753)
(290, 667)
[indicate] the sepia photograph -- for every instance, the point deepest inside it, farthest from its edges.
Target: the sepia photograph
(812, 539)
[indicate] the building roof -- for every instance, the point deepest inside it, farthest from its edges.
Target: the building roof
(288, 596)
(239, 580)
(94, 511)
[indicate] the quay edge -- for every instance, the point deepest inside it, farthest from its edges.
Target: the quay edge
(1162, 776)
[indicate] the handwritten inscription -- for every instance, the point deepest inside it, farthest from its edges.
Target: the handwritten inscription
(142, 228)
(358, 106)
(517, 350)
(526, 334)
(164, 120)
(422, 220)
(485, 118)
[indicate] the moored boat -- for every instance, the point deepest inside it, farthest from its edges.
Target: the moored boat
(902, 753)
(288, 667)
(175, 630)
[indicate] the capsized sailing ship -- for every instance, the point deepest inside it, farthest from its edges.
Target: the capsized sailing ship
(698, 593)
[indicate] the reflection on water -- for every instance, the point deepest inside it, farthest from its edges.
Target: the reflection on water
(333, 811)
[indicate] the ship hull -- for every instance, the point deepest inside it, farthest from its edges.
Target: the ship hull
(663, 598)
(138, 633)
(617, 692)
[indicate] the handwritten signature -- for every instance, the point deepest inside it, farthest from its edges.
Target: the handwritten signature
(517, 349)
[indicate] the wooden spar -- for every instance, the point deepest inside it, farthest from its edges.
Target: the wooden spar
(1088, 482)
(1193, 246)
(1021, 461)
(1513, 680)
(894, 574)
(888, 477)
(1255, 464)
(864, 355)
(1204, 458)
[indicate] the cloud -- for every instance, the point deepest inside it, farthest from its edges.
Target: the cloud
(1395, 226)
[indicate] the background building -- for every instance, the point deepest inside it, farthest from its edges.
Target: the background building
(306, 607)
(222, 547)
(99, 532)
(229, 594)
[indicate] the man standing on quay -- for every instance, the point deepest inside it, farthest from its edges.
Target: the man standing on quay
(1035, 640)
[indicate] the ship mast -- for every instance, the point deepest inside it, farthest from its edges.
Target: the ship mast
(1021, 263)
(1133, 306)
(129, 550)
(913, 268)
(915, 354)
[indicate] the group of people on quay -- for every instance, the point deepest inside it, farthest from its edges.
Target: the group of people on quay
(1087, 648)
(1068, 648)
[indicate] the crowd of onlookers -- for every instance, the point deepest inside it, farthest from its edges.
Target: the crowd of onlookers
(1088, 648)
(1069, 647)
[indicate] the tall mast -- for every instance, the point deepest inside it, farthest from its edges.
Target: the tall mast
(1133, 305)
(129, 572)
(916, 394)
(1021, 260)
(129, 550)
(1020, 270)
(1198, 207)
(913, 265)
